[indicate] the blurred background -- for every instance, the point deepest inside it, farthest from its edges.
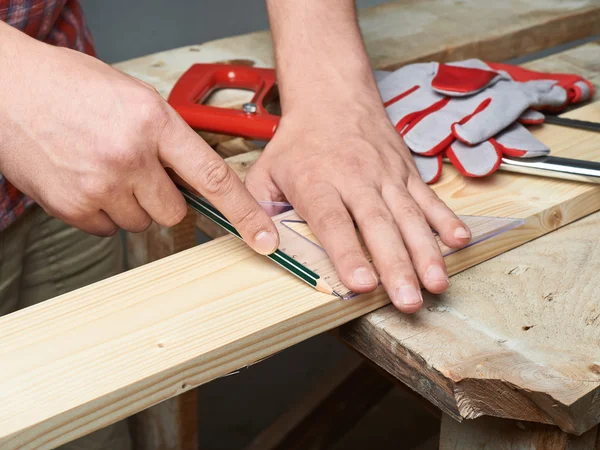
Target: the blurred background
(127, 29)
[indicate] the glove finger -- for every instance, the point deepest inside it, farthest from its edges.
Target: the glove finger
(517, 141)
(398, 82)
(429, 167)
(404, 92)
(545, 94)
(581, 91)
(503, 105)
(472, 119)
(477, 160)
(411, 104)
(578, 88)
(531, 117)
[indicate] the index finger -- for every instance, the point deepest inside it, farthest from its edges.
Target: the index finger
(199, 166)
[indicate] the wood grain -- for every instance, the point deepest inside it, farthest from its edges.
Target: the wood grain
(402, 32)
(91, 357)
(499, 434)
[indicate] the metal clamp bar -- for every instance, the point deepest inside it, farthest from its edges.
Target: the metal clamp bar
(555, 167)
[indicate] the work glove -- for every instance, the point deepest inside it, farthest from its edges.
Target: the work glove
(470, 111)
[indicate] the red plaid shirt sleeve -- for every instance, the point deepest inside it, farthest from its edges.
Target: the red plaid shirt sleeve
(57, 22)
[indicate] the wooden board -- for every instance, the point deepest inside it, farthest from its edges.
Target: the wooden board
(406, 31)
(501, 434)
(516, 337)
(91, 357)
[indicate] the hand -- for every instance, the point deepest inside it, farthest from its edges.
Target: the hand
(343, 160)
(90, 145)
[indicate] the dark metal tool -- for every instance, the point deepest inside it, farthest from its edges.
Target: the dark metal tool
(572, 123)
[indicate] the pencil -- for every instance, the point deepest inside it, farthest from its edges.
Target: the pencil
(282, 259)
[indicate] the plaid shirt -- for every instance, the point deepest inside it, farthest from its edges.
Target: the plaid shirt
(57, 22)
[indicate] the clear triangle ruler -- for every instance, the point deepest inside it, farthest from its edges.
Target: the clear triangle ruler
(301, 253)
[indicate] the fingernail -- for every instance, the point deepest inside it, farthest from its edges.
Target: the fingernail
(363, 276)
(265, 242)
(409, 295)
(462, 233)
(436, 273)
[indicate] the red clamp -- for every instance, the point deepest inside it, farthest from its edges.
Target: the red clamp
(201, 80)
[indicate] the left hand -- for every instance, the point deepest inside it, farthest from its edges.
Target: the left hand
(343, 160)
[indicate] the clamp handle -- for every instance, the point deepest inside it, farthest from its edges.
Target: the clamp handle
(201, 80)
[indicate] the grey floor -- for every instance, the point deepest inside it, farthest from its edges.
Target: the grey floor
(235, 408)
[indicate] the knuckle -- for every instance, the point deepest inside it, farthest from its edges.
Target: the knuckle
(353, 162)
(332, 221)
(410, 211)
(248, 217)
(352, 257)
(152, 109)
(96, 187)
(216, 178)
(432, 199)
(377, 216)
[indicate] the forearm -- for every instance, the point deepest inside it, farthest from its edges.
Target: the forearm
(319, 52)
(16, 50)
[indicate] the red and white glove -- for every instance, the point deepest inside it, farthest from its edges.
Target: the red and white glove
(469, 111)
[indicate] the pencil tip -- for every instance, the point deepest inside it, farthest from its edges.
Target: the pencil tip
(323, 286)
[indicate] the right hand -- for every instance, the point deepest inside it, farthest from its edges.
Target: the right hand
(91, 144)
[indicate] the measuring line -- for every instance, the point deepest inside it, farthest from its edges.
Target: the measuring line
(282, 259)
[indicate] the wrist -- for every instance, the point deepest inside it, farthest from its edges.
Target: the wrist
(349, 90)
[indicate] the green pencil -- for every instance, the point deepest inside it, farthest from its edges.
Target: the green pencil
(287, 262)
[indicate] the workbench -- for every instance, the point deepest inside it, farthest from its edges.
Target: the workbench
(515, 340)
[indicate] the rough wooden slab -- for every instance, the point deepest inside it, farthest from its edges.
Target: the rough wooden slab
(404, 31)
(516, 337)
(501, 434)
(91, 357)
(569, 410)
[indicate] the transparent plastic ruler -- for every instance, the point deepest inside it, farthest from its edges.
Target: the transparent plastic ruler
(301, 253)
(298, 241)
